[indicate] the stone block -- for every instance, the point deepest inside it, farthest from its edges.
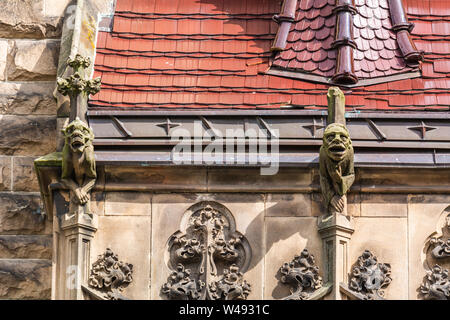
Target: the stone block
(128, 204)
(250, 179)
(387, 239)
(130, 239)
(168, 211)
(426, 218)
(24, 176)
(21, 214)
(27, 135)
(384, 205)
(33, 60)
(28, 19)
(26, 246)
(5, 173)
(288, 205)
(27, 98)
(155, 178)
(25, 279)
(286, 237)
(3, 59)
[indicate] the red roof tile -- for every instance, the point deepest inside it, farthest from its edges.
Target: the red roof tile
(214, 53)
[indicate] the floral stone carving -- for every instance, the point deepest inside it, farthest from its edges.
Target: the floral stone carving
(436, 285)
(110, 275)
(302, 275)
(368, 278)
(208, 256)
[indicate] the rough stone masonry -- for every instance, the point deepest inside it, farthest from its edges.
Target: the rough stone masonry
(30, 32)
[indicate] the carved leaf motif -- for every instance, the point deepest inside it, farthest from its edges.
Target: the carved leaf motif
(110, 275)
(436, 285)
(369, 277)
(302, 275)
(209, 254)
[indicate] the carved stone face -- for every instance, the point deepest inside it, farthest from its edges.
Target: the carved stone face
(336, 141)
(78, 135)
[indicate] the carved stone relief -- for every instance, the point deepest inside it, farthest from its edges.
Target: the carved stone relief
(436, 283)
(208, 256)
(110, 276)
(368, 278)
(302, 275)
(337, 171)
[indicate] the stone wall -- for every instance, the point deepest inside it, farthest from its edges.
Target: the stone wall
(30, 32)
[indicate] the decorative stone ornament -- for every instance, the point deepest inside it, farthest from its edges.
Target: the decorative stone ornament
(436, 285)
(336, 158)
(78, 163)
(110, 276)
(368, 278)
(208, 256)
(302, 275)
(336, 170)
(77, 87)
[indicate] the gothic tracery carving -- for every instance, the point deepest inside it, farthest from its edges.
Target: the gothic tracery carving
(208, 256)
(302, 275)
(110, 275)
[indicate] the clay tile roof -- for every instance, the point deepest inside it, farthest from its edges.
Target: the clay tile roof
(219, 54)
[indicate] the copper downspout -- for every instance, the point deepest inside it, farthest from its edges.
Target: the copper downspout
(402, 28)
(285, 20)
(344, 42)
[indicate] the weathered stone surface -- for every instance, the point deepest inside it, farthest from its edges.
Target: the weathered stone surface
(3, 59)
(286, 237)
(24, 176)
(21, 214)
(26, 246)
(155, 178)
(426, 218)
(387, 239)
(5, 173)
(288, 205)
(250, 179)
(31, 18)
(384, 205)
(128, 203)
(33, 60)
(130, 239)
(34, 98)
(25, 279)
(27, 135)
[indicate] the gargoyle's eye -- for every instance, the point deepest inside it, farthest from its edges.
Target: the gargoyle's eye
(330, 137)
(344, 138)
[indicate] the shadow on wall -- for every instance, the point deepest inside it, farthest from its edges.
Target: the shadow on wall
(272, 236)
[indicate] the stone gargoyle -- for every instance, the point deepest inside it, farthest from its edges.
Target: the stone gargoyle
(336, 167)
(78, 163)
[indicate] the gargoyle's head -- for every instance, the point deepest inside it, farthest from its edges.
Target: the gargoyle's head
(336, 141)
(78, 135)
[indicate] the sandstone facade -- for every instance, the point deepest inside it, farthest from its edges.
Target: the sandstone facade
(30, 33)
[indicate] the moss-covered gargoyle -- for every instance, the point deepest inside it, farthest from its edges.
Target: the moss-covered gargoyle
(78, 165)
(336, 167)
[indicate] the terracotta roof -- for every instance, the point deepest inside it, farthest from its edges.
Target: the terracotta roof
(215, 54)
